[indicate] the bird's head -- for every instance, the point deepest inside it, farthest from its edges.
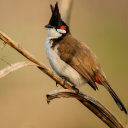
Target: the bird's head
(56, 26)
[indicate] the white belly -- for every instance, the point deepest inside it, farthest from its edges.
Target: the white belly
(62, 68)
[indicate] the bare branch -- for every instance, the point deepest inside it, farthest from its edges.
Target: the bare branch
(65, 9)
(90, 102)
(14, 67)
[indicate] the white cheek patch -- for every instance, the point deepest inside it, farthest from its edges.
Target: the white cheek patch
(61, 31)
(53, 34)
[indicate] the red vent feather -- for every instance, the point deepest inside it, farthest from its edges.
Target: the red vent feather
(97, 80)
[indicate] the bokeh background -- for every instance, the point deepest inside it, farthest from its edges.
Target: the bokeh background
(101, 24)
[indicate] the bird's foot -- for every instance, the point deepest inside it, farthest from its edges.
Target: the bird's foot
(64, 80)
(56, 84)
(76, 89)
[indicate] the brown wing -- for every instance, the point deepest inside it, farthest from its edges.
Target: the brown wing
(79, 57)
(83, 60)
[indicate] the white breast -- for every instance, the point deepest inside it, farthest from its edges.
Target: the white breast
(62, 68)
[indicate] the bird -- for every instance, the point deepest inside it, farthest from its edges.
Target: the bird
(72, 59)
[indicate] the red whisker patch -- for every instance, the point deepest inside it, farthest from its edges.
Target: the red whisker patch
(63, 27)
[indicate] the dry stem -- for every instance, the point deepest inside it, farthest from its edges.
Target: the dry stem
(112, 121)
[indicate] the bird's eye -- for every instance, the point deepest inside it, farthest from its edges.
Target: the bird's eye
(63, 27)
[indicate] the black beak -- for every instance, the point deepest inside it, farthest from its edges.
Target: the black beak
(48, 26)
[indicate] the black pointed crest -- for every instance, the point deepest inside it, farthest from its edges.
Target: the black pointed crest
(56, 17)
(56, 21)
(52, 8)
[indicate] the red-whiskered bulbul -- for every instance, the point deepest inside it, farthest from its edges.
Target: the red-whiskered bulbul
(73, 60)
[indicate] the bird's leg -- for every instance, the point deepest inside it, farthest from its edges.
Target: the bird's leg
(64, 80)
(73, 86)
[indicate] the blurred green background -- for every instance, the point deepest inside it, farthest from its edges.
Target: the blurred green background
(101, 24)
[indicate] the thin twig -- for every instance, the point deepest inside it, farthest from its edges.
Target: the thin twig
(4, 60)
(2, 45)
(14, 67)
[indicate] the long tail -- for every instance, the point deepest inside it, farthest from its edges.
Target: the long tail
(113, 94)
